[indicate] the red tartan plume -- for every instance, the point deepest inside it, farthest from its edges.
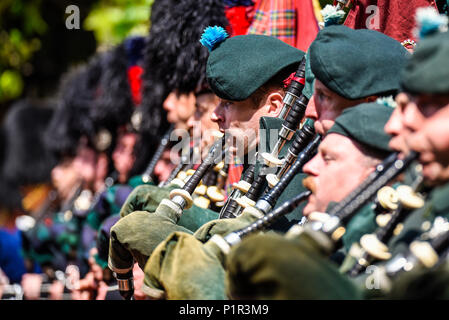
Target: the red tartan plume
(239, 21)
(135, 83)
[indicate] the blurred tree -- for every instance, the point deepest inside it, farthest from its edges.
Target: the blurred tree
(36, 47)
(20, 27)
(114, 20)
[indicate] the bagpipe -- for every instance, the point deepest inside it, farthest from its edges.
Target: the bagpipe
(263, 208)
(147, 175)
(30, 225)
(209, 194)
(172, 208)
(397, 204)
(181, 198)
(309, 148)
(238, 189)
(185, 164)
(225, 243)
(293, 111)
(324, 229)
(327, 229)
(424, 255)
(428, 251)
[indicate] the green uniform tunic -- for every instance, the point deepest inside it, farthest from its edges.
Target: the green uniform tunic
(269, 266)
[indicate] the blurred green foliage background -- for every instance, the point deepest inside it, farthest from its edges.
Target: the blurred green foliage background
(113, 20)
(21, 28)
(36, 47)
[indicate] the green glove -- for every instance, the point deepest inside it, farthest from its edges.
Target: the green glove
(183, 268)
(269, 266)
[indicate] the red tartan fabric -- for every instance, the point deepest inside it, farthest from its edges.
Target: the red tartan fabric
(307, 24)
(292, 21)
(396, 18)
(275, 18)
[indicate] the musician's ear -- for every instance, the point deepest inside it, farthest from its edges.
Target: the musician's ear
(274, 103)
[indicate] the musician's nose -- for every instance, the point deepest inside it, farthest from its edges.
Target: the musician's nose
(312, 166)
(311, 111)
(394, 125)
(217, 114)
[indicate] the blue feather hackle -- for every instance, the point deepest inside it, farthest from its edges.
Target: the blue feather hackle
(212, 36)
(430, 21)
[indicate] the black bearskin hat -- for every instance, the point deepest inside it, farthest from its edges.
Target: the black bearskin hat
(93, 100)
(10, 197)
(27, 160)
(72, 119)
(173, 53)
(113, 103)
(174, 59)
(119, 94)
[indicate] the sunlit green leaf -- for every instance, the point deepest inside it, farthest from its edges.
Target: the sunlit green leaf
(11, 84)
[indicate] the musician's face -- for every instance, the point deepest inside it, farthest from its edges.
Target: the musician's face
(123, 155)
(325, 106)
(337, 169)
(85, 163)
(200, 123)
(431, 138)
(180, 108)
(101, 170)
(65, 178)
(396, 124)
(165, 165)
(240, 119)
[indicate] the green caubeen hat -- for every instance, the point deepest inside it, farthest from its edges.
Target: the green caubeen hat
(239, 65)
(365, 124)
(427, 69)
(357, 63)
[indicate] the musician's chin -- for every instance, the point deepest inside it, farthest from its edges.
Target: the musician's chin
(310, 206)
